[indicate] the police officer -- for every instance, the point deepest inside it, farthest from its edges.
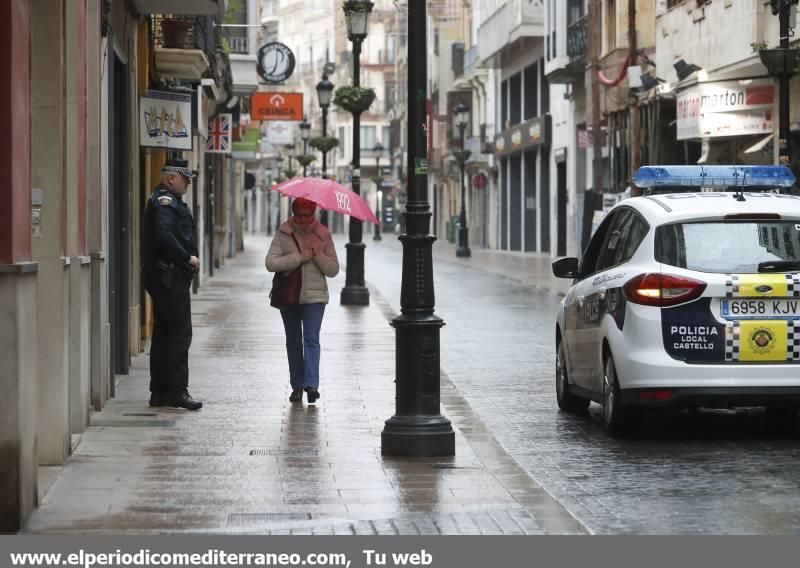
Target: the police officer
(169, 252)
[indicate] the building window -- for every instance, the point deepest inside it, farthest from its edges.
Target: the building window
(367, 137)
(341, 142)
(515, 84)
(611, 25)
(574, 11)
(531, 91)
(504, 104)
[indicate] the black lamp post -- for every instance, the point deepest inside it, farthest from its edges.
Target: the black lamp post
(417, 428)
(377, 149)
(781, 63)
(278, 163)
(290, 152)
(324, 96)
(355, 292)
(305, 132)
(461, 120)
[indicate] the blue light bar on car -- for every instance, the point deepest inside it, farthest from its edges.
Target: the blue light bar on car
(723, 177)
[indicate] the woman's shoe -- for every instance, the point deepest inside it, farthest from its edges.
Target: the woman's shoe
(312, 394)
(296, 396)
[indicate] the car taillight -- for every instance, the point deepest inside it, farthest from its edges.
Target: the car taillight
(662, 290)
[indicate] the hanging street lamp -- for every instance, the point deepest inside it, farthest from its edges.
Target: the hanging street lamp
(461, 120)
(355, 291)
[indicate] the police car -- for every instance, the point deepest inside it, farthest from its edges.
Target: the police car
(688, 296)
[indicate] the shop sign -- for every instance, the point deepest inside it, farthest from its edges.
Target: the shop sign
(219, 134)
(726, 108)
(529, 134)
(275, 62)
(277, 106)
(165, 120)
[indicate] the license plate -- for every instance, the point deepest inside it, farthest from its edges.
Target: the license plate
(781, 308)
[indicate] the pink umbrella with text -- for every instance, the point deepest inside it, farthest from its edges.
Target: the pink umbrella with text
(328, 194)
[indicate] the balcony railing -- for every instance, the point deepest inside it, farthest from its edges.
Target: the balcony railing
(513, 20)
(239, 44)
(577, 38)
(183, 32)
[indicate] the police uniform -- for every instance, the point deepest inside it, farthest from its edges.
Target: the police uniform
(168, 242)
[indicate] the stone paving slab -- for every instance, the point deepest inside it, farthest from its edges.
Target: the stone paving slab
(251, 462)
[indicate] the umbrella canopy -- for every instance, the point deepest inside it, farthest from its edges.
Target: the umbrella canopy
(328, 194)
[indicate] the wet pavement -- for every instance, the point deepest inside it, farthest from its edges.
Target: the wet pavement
(251, 462)
(708, 472)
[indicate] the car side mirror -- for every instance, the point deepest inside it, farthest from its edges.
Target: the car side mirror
(566, 267)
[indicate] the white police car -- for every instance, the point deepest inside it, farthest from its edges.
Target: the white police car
(686, 298)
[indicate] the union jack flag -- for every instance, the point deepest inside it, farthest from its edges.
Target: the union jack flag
(219, 134)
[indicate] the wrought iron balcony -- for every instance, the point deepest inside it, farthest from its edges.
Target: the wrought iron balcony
(184, 46)
(577, 38)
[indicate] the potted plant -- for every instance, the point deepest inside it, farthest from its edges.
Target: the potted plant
(324, 143)
(354, 99)
(174, 31)
(290, 173)
(305, 159)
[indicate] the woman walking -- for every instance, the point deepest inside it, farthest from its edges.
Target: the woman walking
(304, 242)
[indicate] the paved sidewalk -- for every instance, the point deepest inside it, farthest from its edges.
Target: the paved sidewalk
(251, 462)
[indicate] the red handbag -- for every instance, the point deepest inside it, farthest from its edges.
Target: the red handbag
(286, 286)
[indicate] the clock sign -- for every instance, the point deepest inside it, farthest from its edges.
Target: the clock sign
(275, 62)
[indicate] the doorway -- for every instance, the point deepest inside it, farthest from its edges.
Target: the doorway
(561, 188)
(119, 218)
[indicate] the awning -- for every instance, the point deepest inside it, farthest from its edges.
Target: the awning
(760, 144)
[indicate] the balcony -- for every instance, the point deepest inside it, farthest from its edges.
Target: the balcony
(513, 21)
(183, 46)
(577, 39)
(571, 69)
(181, 7)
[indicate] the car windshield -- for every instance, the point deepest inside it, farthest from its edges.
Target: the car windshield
(729, 247)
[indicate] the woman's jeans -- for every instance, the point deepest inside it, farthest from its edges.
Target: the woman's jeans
(302, 323)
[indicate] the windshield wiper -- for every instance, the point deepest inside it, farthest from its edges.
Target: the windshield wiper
(778, 265)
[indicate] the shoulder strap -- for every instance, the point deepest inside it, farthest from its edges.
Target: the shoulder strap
(296, 243)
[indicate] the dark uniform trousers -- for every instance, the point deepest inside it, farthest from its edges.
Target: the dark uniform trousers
(172, 333)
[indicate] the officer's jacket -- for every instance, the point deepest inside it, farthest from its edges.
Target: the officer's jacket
(168, 229)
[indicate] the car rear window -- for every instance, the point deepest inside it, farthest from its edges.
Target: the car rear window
(729, 247)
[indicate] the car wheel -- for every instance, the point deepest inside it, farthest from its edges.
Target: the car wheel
(567, 401)
(615, 415)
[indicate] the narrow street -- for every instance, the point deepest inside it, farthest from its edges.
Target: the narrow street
(250, 462)
(707, 473)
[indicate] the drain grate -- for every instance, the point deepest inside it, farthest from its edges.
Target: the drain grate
(288, 452)
(261, 519)
(147, 414)
(113, 422)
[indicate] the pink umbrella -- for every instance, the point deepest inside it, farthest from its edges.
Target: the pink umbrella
(329, 195)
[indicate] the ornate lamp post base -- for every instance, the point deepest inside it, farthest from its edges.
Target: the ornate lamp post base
(355, 292)
(463, 250)
(417, 429)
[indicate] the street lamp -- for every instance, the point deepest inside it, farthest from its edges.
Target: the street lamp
(290, 152)
(324, 96)
(278, 164)
(461, 120)
(417, 428)
(305, 132)
(377, 149)
(780, 63)
(355, 292)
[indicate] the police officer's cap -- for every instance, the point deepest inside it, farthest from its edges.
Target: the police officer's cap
(178, 165)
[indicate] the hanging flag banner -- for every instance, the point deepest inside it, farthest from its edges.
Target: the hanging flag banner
(219, 134)
(165, 120)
